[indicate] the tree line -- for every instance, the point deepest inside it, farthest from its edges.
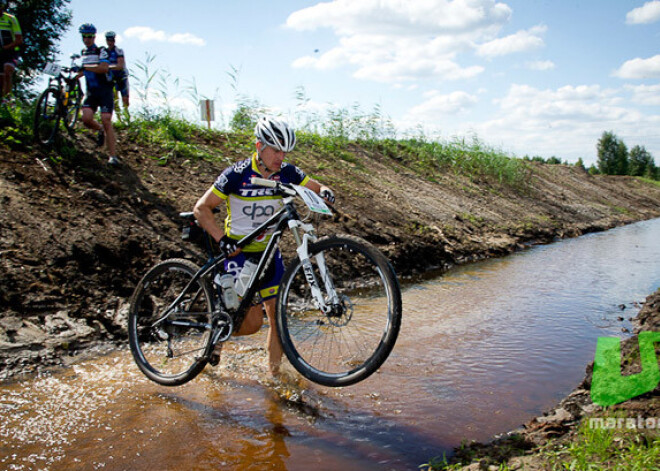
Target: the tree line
(614, 158)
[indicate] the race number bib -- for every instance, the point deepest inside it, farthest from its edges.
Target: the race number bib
(52, 69)
(313, 201)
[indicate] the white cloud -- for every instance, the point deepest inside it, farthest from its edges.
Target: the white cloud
(146, 34)
(440, 105)
(541, 65)
(565, 121)
(647, 13)
(640, 68)
(395, 17)
(522, 41)
(648, 95)
(395, 41)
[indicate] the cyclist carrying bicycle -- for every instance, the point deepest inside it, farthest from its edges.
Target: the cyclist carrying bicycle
(11, 38)
(248, 206)
(118, 67)
(96, 69)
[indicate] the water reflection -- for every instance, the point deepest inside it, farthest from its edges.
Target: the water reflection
(482, 350)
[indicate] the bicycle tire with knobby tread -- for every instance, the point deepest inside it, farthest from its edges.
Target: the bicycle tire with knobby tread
(147, 342)
(348, 348)
(46, 121)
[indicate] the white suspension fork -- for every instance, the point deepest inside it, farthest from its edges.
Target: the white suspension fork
(303, 254)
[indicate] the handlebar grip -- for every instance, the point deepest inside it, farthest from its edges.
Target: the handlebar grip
(263, 182)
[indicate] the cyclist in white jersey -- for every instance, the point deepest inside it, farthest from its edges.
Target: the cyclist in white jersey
(247, 207)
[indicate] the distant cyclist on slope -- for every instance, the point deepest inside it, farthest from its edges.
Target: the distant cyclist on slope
(118, 68)
(96, 69)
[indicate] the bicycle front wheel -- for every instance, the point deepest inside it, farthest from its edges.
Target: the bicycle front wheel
(351, 341)
(46, 117)
(168, 340)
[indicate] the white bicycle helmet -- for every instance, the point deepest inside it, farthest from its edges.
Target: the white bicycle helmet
(275, 133)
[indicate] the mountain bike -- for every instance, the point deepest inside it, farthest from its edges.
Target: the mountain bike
(61, 101)
(338, 308)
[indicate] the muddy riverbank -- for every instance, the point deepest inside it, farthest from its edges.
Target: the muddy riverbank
(523, 448)
(75, 235)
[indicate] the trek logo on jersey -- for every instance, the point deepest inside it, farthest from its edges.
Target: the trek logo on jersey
(256, 192)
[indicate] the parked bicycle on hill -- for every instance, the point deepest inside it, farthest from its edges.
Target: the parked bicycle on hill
(338, 307)
(61, 101)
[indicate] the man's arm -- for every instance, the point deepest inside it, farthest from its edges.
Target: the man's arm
(100, 68)
(204, 214)
(18, 41)
(317, 188)
(120, 65)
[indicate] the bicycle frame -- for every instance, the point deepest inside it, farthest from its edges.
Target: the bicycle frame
(65, 81)
(287, 216)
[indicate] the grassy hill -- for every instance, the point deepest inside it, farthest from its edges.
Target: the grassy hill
(76, 235)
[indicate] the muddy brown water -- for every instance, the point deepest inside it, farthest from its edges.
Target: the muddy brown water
(483, 349)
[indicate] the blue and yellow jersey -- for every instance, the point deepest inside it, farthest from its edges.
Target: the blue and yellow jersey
(114, 54)
(249, 206)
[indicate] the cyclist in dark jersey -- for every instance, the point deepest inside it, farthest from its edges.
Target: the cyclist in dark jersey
(247, 207)
(118, 67)
(96, 69)
(11, 38)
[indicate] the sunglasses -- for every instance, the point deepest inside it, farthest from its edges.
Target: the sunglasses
(88, 35)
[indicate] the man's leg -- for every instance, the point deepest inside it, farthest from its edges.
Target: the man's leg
(273, 344)
(106, 119)
(8, 72)
(88, 119)
(253, 322)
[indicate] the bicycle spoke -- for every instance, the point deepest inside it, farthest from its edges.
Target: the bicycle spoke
(349, 342)
(167, 346)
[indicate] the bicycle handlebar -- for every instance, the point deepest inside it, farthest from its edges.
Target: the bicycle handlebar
(282, 187)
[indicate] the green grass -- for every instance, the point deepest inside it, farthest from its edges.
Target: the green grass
(648, 180)
(597, 447)
(16, 125)
(473, 159)
(612, 441)
(328, 139)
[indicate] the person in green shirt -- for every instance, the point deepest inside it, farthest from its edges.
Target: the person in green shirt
(11, 39)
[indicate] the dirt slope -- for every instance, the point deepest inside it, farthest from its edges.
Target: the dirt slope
(75, 236)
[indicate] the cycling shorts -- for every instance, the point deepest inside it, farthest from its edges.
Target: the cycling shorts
(121, 85)
(99, 98)
(270, 283)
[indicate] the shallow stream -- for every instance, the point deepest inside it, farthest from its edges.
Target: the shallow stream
(483, 349)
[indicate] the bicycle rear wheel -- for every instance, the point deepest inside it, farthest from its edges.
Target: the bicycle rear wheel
(350, 343)
(46, 117)
(73, 107)
(169, 348)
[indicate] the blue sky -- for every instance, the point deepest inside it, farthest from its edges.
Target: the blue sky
(529, 77)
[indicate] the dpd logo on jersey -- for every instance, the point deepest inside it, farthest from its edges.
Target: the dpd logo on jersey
(258, 211)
